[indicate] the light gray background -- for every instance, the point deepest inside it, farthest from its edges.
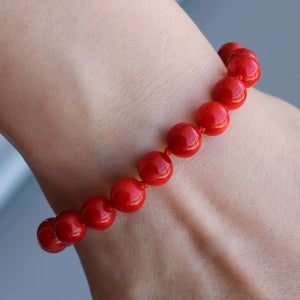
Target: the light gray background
(269, 28)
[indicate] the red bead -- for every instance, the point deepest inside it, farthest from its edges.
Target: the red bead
(184, 140)
(46, 238)
(213, 116)
(155, 168)
(230, 91)
(226, 49)
(69, 227)
(127, 195)
(240, 52)
(245, 68)
(97, 213)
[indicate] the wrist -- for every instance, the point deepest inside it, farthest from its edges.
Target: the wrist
(71, 112)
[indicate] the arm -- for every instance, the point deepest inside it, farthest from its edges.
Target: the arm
(87, 88)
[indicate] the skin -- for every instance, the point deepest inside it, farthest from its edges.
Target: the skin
(89, 87)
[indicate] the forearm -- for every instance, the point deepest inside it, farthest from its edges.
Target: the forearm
(124, 51)
(101, 90)
(100, 78)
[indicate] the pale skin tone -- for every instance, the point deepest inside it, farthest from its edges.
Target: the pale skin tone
(88, 87)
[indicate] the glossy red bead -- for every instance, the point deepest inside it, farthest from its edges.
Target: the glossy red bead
(127, 195)
(246, 69)
(226, 49)
(230, 91)
(69, 227)
(184, 140)
(97, 213)
(155, 168)
(213, 116)
(46, 238)
(240, 52)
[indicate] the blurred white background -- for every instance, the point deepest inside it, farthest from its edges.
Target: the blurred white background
(269, 28)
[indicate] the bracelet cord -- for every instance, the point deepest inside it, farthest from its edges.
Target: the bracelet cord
(155, 168)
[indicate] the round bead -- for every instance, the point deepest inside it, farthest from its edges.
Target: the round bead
(155, 168)
(230, 91)
(127, 195)
(46, 238)
(240, 52)
(245, 68)
(184, 140)
(97, 213)
(226, 49)
(69, 227)
(213, 116)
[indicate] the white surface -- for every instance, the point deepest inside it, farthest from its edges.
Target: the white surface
(27, 272)
(13, 172)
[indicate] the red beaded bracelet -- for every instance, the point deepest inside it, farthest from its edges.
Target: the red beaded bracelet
(155, 168)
